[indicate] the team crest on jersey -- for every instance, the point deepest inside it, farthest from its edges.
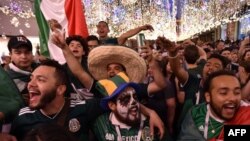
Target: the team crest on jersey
(74, 125)
(109, 137)
(146, 134)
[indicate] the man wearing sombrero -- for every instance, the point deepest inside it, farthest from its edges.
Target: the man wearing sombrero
(124, 121)
(106, 61)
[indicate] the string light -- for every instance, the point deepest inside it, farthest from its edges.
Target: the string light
(196, 16)
(122, 15)
(16, 9)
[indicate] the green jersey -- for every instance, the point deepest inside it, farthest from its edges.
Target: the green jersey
(78, 120)
(199, 124)
(193, 91)
(108, 129)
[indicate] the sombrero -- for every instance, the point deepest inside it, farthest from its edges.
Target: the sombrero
(100, 57)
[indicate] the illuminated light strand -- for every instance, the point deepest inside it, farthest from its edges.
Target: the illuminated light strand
(123, 15)
(22, 14)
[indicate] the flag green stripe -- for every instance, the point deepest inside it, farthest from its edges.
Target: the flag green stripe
(44, 29)
(10, 97)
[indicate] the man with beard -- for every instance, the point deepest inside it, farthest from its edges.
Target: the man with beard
(108, 61)
(223, 101)
(191, 84)
(48, 104)
(124, 121)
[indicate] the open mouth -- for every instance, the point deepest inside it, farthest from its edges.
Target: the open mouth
(34, 95)
(209, 72)
(75, 51)
(230, 108)
(101, 32)
(24, 62)
(133, 111)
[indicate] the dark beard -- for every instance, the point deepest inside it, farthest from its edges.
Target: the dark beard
(47, 98)
(217, 112)
(127, 121)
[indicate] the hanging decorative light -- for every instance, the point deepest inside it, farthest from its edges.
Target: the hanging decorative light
(123, 15)
(15, 22)
(128, 2)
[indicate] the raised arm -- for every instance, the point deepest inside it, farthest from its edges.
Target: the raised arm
(174, 60)
(123, 38)
(159, 81)
(59, 40)
(243, 45)
(202, 53)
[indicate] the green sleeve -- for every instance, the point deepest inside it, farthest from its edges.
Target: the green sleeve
(102, 128)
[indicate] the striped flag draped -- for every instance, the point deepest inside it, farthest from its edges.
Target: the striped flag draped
(69, 13)
(10, 97)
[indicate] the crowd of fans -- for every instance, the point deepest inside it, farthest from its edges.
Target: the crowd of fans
(108, 91)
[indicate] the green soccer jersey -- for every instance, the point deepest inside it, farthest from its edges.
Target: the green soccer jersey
(105, 130)
(198, 124)
(78, 120)
(193, 91)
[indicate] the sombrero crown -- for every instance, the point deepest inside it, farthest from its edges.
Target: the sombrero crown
(100, 57)
(110, 88)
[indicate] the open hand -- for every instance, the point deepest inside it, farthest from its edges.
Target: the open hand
(58, 38)
(155, 121)
(166, 44)
(54, 24)
(245, 42)
(147, 27)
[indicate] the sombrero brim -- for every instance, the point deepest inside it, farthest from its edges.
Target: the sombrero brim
(100, 57)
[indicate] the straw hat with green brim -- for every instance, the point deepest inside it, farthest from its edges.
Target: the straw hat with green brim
(111, 88)
(100, 57)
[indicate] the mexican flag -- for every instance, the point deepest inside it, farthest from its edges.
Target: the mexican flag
(10, 98)
(69, 13)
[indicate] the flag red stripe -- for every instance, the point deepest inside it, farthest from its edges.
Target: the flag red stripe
(76, 19)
